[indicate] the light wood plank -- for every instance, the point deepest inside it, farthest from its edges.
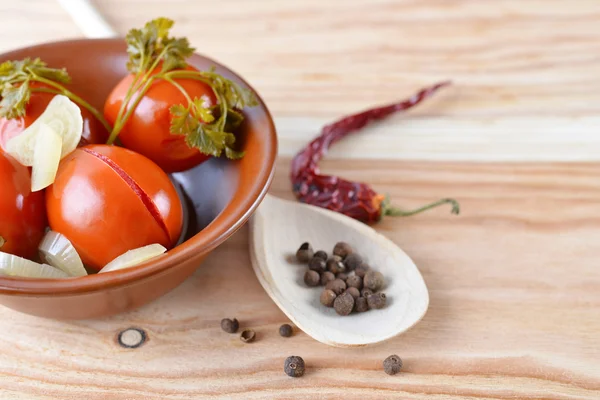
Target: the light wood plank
(514, 288)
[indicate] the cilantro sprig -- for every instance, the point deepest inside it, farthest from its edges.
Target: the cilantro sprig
(154, 55)
(16, 78)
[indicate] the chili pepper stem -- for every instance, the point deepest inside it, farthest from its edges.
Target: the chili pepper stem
(387, 209)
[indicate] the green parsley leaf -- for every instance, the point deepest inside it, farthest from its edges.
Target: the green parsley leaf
(14, 100)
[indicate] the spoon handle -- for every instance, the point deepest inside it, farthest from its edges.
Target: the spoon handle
(87, 17)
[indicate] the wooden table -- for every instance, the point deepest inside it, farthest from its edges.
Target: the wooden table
(514, 281)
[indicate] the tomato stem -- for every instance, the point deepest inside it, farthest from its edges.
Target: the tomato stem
(62, 90)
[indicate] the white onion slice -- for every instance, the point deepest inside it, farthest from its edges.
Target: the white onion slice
(17, 266)
(58, 251)
(134, 257)
(46, 157)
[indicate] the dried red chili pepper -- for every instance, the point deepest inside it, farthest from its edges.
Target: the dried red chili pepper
(354, 199)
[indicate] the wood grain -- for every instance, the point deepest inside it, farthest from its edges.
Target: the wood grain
(514, 298)
(514, 281)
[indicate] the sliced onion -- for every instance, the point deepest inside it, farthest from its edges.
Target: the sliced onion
(134, 257)
(12, 265)
(58, 251)
(46, 157)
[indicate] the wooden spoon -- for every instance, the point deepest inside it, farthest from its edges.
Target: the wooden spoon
(279, 227)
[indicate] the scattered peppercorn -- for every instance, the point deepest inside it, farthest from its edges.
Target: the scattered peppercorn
(376, 301)
(294, 366)
(342, 275)
(248, 336)
(344, 304)
(373, 280)
(321, 254)
(342, 249)
(354, 281)
(286, 330)
(335, 265)
(327, 277)
(366, 292)
(317, 264)
(337, 285)
(360, 305)
(353, 261)
(354, 292)
(392, 365)
(361, 270)
(305, 252)
(328, 297)
(312, 278)
(230, 325)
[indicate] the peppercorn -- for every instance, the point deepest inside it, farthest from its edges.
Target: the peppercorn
(361, 270)
(312, 278)
(335, 265)
(294, 366)
(317, 264)
(344, 304)
(328, 297)
(321, 254)
(327, 277)
(353, 261)
(337, 285)
(342, 249)
(305, 252)
(366, 292)
(354, 281)
(342, 275)
(361, 305)
(376, 300)
(286, 330)
(230, 325)
(248, 336)
(373, 280)
(354, 292)
(392, 365)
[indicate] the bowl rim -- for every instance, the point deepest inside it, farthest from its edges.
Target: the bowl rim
(219, 230)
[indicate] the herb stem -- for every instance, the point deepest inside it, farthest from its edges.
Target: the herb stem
(62, 90)
(119, 124)
(180, 88)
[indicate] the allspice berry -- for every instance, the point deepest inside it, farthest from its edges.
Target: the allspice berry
(392, 365)
(353, 261)
(376, 301)
(360, 305)
(328, 297)
(342, 249)
(248, 336)
(305, 252)
(230, 325)
(335, 265)
(366, 292)
(342, 275)
(344, 304)
(337, 285)
(294, 366)
(373, 280)
(312, 278)
(317, 264)
(327, 277)
(361, 270)
(354, 292)
(321, 254)
(354, 281)
(286, 330)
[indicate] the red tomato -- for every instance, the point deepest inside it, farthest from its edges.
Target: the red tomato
(93, 131)
(22, 213)
(147, 130)
(107, 200)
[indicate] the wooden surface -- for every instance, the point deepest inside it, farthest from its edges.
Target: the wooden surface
(514, 281)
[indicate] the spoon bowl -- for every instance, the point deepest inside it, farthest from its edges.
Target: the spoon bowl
(277, 230)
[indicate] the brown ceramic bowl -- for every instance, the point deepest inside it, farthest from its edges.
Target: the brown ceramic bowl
(221, 195)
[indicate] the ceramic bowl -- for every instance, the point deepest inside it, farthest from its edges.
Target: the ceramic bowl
(220, 194)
